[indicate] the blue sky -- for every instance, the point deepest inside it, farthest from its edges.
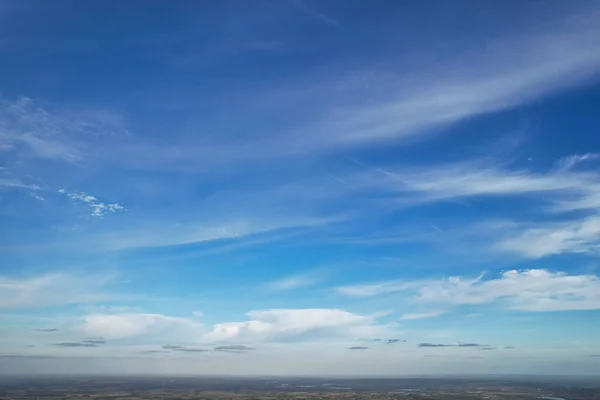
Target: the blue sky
(300, 187)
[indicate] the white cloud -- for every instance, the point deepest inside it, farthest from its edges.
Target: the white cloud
(287, 325)
(473, 179)
(579, 236)
(296, 281)
(559, 191)
(53, 134)
(265, 326)
(99, 208)
(571, 161)
(52, 289)
(423, 315)
(528, 290)
(500, 75)
(165, 233)
(119, 326)
(375, 288)
(16, 183)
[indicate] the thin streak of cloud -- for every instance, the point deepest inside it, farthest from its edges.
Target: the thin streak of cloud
(412, 316)
(296, 281)
(301, 5)
(527, 290)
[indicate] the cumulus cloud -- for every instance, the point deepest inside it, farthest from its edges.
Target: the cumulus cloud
(526, 290)
(118, 326)
(281, 325)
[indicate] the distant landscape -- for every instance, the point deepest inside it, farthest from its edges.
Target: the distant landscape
(259, 388)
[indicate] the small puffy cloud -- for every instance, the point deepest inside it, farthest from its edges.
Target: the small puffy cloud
(99, 208)
(282, 325)
(434, 345)
(357, 348)
(46, 329)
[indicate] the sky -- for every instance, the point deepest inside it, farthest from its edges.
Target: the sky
(302, 187)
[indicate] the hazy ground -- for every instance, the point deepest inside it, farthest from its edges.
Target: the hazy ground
(180, 388)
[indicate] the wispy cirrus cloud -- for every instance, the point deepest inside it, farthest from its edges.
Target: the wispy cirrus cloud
(532, 240)
(423, 315)
(555, 193)
(567, 163)
(54, 134)
(297, 280)
(53, 289)
(528, 290)
(503, 74)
